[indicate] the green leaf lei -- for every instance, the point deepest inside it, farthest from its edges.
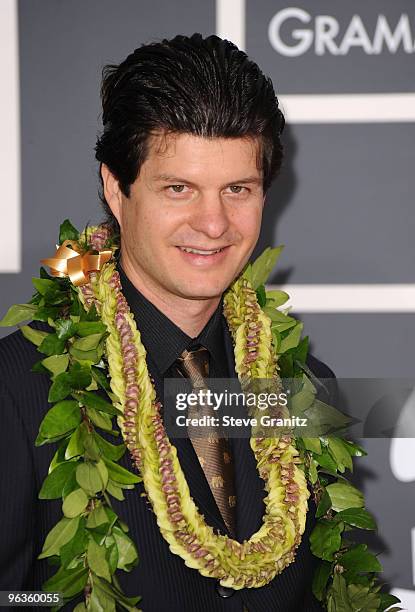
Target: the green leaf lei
(90, 543)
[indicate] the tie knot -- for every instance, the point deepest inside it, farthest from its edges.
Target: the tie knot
(194, 364)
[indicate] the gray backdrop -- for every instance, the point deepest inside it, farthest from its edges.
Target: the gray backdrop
(343, 205)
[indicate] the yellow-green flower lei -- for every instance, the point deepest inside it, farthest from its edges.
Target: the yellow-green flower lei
(252, 563)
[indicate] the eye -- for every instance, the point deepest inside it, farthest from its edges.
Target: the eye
(237, 188)
(177, 188)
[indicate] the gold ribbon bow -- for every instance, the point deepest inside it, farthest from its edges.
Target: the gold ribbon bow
(70, 261)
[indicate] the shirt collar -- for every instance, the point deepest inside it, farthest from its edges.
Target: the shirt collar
(164, 340)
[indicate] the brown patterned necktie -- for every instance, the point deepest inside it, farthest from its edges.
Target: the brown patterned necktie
(212, 451)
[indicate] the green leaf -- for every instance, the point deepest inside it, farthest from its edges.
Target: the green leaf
(301, 350)
(112, 554)
(279, 318)
(359, 559)
(321, 576)
(59, 535)
(100, 601)
(324, 505)
(69, 582)
(76, 545)
(79, 376)
(340, 454)
(111, 451)
(354, 449)
(67, 232)
(387, 600)
(57, 364)
(88, 477)
(88, 343)
(97, 517)
(357, 517)
(260, 294)
(81, 607)
(17, 314)
(324, 419)
(75, 446)
(65, 329)
(312, 444)
(75, 503)
(55, 296)
(91, 447)
(99, 419)
(60, 419)
(325, 539)
(112, 517)
(75, 309)
(88, 328)
(276, 297)
(91, 314)
(292, 339)
(43, 285)
(127, 552)
(100, 377)
(44, 313)
(33, 335)
(71, 484)
(59, 456)
(326, 461)
(362, 598)
(97, 560)
(339, 590)
(93, 400)
(344, 496)
(126, 602)
(263, 266)
(303, 399)
(94, 356)
(121, 475)
(313, 472)
(60, 388)
(55, 481)
(52, 345)
(103, 473)
(115, 490)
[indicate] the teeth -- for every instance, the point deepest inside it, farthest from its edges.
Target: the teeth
(198, 251)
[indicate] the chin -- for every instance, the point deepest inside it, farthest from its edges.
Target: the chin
(203, 292)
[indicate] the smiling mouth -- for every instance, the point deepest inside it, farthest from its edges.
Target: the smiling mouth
(201, 251)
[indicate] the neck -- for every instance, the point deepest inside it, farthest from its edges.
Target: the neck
(190, 315)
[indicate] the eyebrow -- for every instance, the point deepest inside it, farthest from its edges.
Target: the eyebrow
(179, 180)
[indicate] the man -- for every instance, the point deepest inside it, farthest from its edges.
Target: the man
(190, 146)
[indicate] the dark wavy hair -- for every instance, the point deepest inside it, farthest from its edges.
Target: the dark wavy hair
(201, 86)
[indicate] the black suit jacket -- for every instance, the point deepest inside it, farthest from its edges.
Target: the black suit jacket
(165, 583)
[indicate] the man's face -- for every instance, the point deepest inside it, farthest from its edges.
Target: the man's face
(193, 216)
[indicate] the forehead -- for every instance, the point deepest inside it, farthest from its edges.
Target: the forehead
(203, 155)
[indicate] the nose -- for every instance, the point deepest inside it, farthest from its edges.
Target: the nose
(210, 216)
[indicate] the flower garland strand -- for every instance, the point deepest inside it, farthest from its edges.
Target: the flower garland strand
(255, 562)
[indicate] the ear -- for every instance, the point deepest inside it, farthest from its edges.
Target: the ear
(112, 192)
